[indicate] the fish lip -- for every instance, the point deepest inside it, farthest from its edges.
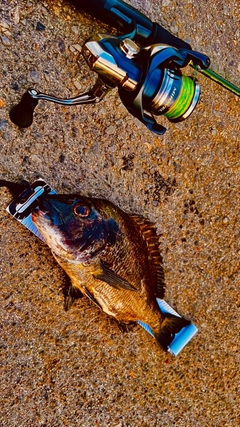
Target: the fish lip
(44, 210)
(38, 213)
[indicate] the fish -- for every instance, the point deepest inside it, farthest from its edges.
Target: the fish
(110, 256)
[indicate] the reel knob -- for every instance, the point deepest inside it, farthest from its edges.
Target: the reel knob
(22, 113)
(129, 48)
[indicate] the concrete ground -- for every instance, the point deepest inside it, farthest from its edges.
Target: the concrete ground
(76, 368)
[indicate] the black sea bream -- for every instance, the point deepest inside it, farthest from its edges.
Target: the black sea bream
(111, 257)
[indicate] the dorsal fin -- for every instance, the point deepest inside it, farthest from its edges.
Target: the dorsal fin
(149, 235)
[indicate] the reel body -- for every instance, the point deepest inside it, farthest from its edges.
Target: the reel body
(149, 81)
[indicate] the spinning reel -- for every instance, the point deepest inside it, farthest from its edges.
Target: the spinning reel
(145, 65)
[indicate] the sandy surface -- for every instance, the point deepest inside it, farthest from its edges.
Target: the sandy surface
(77, 369)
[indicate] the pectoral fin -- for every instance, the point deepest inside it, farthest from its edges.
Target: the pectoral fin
(113, 279)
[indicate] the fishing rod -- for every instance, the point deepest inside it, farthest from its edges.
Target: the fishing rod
(144, 63)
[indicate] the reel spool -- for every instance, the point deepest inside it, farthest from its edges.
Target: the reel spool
(164, 90)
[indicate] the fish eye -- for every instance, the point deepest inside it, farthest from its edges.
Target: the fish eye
(80, 210)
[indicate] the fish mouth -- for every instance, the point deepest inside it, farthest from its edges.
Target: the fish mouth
(38, 213)
(45, 210)
(48, 220)
(54, 239)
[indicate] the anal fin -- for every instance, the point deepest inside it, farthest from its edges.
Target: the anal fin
(125, 327)
(91, 297)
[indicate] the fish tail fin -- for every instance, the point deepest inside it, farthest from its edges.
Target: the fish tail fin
(170, 326)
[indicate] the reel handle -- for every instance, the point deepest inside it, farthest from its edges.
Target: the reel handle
(126, 18)
(22, 113)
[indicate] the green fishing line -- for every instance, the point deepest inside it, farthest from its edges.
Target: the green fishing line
(184, 100)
